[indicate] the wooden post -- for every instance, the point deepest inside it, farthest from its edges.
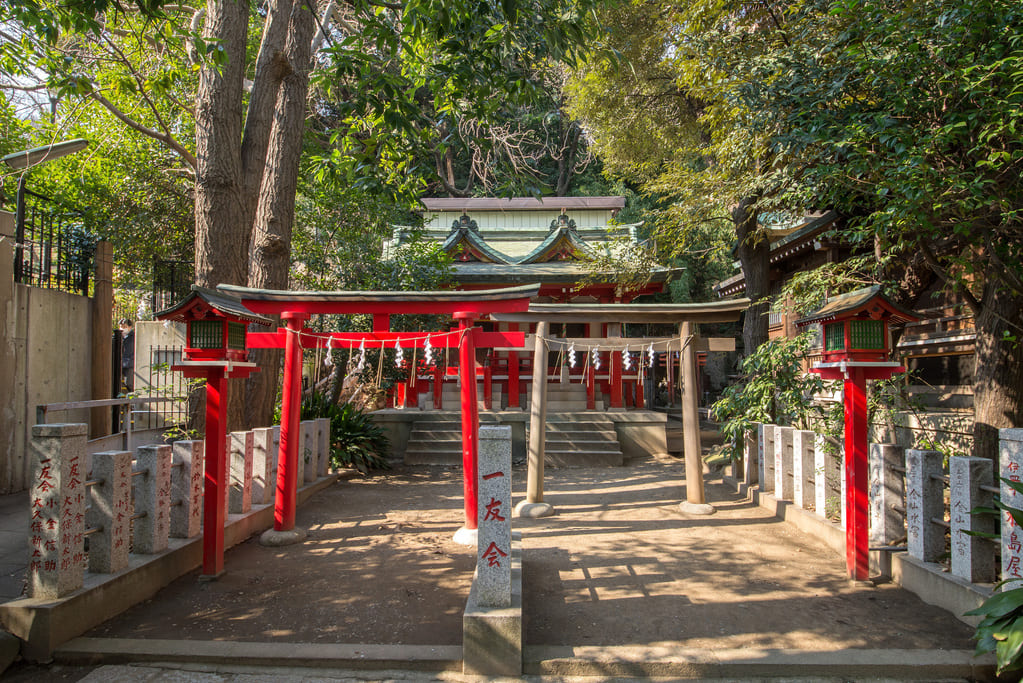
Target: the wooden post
(695, 502)
(534, 505)
(102, 333)
(214, 511)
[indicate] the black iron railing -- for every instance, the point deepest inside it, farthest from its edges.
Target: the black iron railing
(53, 247)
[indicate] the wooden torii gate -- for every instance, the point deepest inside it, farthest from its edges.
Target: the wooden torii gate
(295, 308)
(613, 315)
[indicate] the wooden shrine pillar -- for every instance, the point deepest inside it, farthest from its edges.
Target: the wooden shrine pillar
(534, 505)
(695, 502)
(614, 330)
(470, 426)
(291, 414)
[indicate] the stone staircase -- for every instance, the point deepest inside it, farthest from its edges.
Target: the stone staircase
(565, 397)
(582, 440)
(574, 439)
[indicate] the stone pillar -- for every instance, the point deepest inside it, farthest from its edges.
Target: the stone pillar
(783, 463)
(308, 445)
(828, 478)
(696, 499)
(493, 560)
(765, 457)
(186, 488)
(534, 505)
(1010, 463)
(240, 497)
(102, 307)
(885, 494)
(803, 489)
(750, 462)
(110, 512)
(973, 558)
(263, 451)
(323, 461)
(152, 497)
(924, 502)
(56, 564)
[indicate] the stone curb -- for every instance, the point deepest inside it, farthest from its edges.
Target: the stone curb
(624, 661)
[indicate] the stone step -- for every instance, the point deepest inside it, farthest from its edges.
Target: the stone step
(567, 458)
(433, 457)
(583, 446)
(597, 432)
(439, 441)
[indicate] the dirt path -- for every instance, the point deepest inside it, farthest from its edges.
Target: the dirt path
(618, 565)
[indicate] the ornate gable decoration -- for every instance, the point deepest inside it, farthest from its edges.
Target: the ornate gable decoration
(562, 221)
(466, 223)
(465, 244)
(563, 243)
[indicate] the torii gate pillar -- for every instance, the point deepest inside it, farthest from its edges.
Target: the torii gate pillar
(696, 501)
(470, 426)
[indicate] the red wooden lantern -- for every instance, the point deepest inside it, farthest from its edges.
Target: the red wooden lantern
(855, 349)
(216, 352)
(216, 325)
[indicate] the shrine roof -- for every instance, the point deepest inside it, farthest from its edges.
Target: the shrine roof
(553, 242)
(568, 272)
(713, 311)
(521, 203)
(867, 300)
(220, 301)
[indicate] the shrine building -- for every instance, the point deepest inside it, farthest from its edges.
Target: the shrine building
(598, 400)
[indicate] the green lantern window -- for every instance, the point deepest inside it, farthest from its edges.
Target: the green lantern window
(236, 335)
(834, 337)
(866, 334)
(206, 334)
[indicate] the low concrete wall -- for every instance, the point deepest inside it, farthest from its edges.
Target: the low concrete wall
(46, 624)
(492, 636)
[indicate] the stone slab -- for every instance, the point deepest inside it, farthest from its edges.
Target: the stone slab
(492, 636)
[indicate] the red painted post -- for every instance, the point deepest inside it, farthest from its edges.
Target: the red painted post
(640, 369)
(438, 386)
(591, 391)
(488, 388)
(616, 379)
(470, 415)
(856, 485)
(291, 408)
(215, 482)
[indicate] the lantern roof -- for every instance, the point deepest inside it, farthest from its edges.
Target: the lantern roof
(868, 302)
(202, 300)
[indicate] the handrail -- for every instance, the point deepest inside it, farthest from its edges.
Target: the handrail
(43, 409)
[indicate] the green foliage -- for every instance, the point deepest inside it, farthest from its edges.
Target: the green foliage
(355, 440)
(772, 389)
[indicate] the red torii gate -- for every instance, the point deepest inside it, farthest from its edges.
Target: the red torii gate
(295, 308)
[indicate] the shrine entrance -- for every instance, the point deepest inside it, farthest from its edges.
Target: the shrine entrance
(294, 309)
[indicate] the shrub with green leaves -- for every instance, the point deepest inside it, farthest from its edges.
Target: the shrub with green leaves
(355, 440)
(772, 389)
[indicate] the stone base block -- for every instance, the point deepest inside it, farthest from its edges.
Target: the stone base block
(696, 508)
(492, 636)
(275, 539)
(533, 510)
(466, 536)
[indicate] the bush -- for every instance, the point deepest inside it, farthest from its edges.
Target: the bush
(355, 440)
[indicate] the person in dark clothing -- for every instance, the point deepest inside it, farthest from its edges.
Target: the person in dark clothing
(127, 355)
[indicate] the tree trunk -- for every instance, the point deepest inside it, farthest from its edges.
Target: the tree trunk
(221, 230)
(998, 378)
(275, 213)
(754, 251)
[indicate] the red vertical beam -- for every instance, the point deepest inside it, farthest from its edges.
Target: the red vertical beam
(488, 388)
(856, 539)
(438, 386)
(591, 393)
(291, 408)
(616, 379)
(215, 482)
(513, 380)
(470, 415)
(381, 322)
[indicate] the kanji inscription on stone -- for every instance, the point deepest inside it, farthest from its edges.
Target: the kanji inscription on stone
(1010, 459)
(493, 564)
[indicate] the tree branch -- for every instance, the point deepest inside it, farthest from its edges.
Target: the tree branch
(165, 138)
(932, 263)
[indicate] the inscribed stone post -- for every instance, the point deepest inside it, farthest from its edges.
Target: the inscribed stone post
(783, 463)
(885, 492)
(263, 456)
(821, 487)
(973, 558)
(110, 511)
(306, 468)
(802, 468)
(1010, 459)
(152, 497)
(749, 456)
(186, 488)
(493, 562)
(56, 562)
(324, 447)
(240, 500)
(765, 457)
(925, 501)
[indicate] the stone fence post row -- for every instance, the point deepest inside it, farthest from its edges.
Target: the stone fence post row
(123, 507)
(906, 496)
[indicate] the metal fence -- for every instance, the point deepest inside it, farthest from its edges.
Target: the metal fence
(172, 281)
(53, 247)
